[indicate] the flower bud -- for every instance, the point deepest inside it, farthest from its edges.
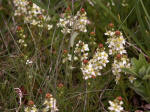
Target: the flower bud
(93, 76)
(111, 25)
(30, 103)
(85, 61)
(92, 33)
(68, 9)
(119, 98)
(65, 51)
(40, 91)
(48, 95)
(118, 56)
(19, 28)
(101, 45)
(82, 10)
(40, 16)
(117, 33)
(60, 85)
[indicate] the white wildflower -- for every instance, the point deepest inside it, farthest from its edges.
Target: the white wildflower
(115, 42)
(121, 61)
(81, 50)
(69, 22)
(31, 109)
(131, 79)
(93, 67)
(50, 104)
(29, 62)
(116, 105)
(32, 13)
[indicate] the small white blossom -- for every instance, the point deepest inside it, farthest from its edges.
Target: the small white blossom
(49, 27)
(116, 105)
(69, 57)
(69, 22)
(75, 58)
(29, 62)
(118, 64)
(131, 79)
(81, 50)
(66, 58)
(115, 43)
(50, 104)
(32, 13)
(31, 109)
(95, 65)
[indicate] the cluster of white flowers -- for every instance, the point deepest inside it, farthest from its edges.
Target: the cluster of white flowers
(124, 3)
(69, 22)
(21, 7)
(121, 61)
(93, 67)
(31, 107)
(50, 104)
(92, 39)
(112, 3)
(88, 71)
(116, 45)
(116, 105)
(66, 58)
(131, 79)
(29, 62)
(32, 13)
(115, 42)
(22, 36)
(81, 51)
(100, 59)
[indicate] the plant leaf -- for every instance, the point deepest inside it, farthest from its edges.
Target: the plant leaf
(73, 37)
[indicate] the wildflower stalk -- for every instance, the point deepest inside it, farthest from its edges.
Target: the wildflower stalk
(19, 92)
(123, 89)
(85, 99)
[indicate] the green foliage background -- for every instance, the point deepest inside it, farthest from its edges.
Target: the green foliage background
(77, 95)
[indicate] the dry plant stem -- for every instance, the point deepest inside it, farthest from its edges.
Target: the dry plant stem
(55, 71)
(46, 16)
(14, 22)
(12, 109)
(107, 72)
(101, 95)
(127, 16)
(85, 100)
(100, 98)
(19, 107)
(73, 6)
(11, 35)
(50, 70)
(51, 50)
(76, 105)
(50, 66)
(138, 49)
(58, 60)
(4, 40)
(82, 93)
(35, 46)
